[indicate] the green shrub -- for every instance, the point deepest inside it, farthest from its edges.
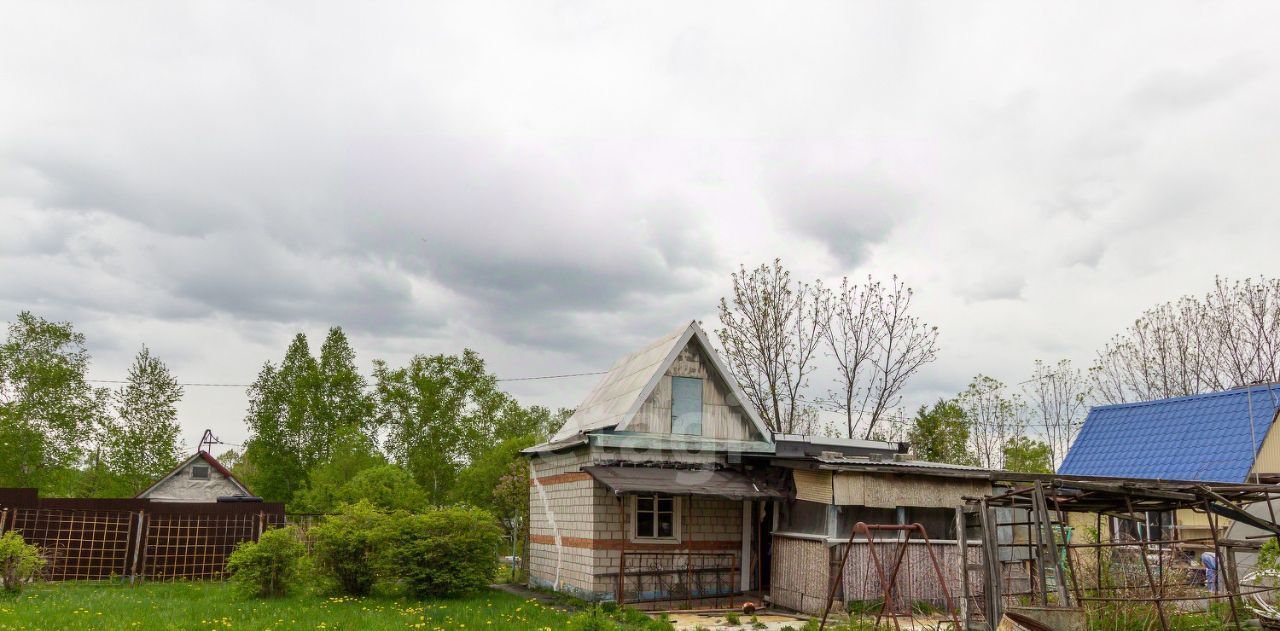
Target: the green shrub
(346, 547)
(268, 566)
(20, 561)
(732, 619)
(444, 552)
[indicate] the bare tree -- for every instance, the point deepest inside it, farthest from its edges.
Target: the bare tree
(1057, 396)
(905, 344)
(994, 418)
(853, 337)
(770, 330)
(1228, 338)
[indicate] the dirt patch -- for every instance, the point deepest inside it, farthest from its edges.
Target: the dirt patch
(716, 621)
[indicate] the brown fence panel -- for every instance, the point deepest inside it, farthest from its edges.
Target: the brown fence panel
(194, 546)
(78, 544)
(94, 539)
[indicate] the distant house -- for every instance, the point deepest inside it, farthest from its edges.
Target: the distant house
(200, 478)
(1228, 436)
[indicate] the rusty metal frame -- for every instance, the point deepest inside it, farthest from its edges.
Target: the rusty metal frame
(1042, 495)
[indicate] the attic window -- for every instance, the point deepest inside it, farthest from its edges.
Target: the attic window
(200, 472)
(686, 406)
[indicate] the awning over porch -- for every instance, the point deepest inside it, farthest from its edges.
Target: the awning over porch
(727, 484)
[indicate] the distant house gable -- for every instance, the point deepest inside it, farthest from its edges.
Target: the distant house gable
(200, 478)
(638, 392)
(1210, 437)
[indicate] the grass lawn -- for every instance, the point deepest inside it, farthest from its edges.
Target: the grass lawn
(211, 605)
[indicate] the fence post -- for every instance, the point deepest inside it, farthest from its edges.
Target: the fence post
(262, 520)
(3, 514)
(137, 547)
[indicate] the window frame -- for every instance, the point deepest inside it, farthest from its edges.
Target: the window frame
(208, 472)
(633, 521)
(701, 404)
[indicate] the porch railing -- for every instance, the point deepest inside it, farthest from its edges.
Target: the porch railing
(679, 576)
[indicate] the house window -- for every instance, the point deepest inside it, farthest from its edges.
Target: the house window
(655, 517)
(804, 518)
(1150, 526)
(686, 406)
(200, 472)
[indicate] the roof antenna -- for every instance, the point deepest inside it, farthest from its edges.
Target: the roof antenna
(208, 440)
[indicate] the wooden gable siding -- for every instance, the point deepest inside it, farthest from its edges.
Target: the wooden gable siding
(1268, 459)
(719, 418)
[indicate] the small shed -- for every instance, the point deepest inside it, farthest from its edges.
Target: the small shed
(200, 478)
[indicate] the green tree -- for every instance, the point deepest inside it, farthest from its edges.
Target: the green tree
(995, 416)
(299, 410)
(142, 442)
(1027, 455)
(343, 406)
(442, 412)
(480, 483)
(387, 486)
(48, 411)
(278, 407)
(941, 434)
(351, 455)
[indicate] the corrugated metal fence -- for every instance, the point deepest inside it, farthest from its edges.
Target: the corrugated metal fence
(96, 539)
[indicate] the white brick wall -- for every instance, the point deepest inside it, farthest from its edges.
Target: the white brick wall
(584, 510)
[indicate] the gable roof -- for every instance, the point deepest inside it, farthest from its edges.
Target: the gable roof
(618, 396)
(1205, 437)
(211, 461)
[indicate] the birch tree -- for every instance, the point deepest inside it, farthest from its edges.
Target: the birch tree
(49, 413)
(905, 345)
(142, 442)
(994, 416)
(770, 330)
(1227, 338)
(1057, 396)
(854, 335)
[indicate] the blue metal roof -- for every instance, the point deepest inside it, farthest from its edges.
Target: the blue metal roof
(1204, 437)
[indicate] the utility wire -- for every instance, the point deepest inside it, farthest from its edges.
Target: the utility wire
(246, 385)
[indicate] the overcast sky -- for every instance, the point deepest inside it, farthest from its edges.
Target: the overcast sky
(553, 184)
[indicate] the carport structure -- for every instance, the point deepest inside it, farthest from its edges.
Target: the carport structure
(1037, 562)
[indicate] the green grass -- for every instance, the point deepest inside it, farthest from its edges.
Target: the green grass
(212, 605)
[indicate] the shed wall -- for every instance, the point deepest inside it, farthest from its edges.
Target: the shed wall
(183, 488)
(590, 523)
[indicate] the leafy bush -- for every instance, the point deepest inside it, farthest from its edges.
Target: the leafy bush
(19, 561)
(268, 566)
(444, 552)
(346, 547)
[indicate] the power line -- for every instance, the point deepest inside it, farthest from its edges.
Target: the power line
(246, 385)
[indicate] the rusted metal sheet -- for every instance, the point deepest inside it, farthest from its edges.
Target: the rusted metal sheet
(727, 484)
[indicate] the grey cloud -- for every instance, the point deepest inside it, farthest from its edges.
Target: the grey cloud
(847, 212)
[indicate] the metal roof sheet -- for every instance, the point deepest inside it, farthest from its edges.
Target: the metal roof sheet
(723, 483)
(1210, 437)
(905, 466)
